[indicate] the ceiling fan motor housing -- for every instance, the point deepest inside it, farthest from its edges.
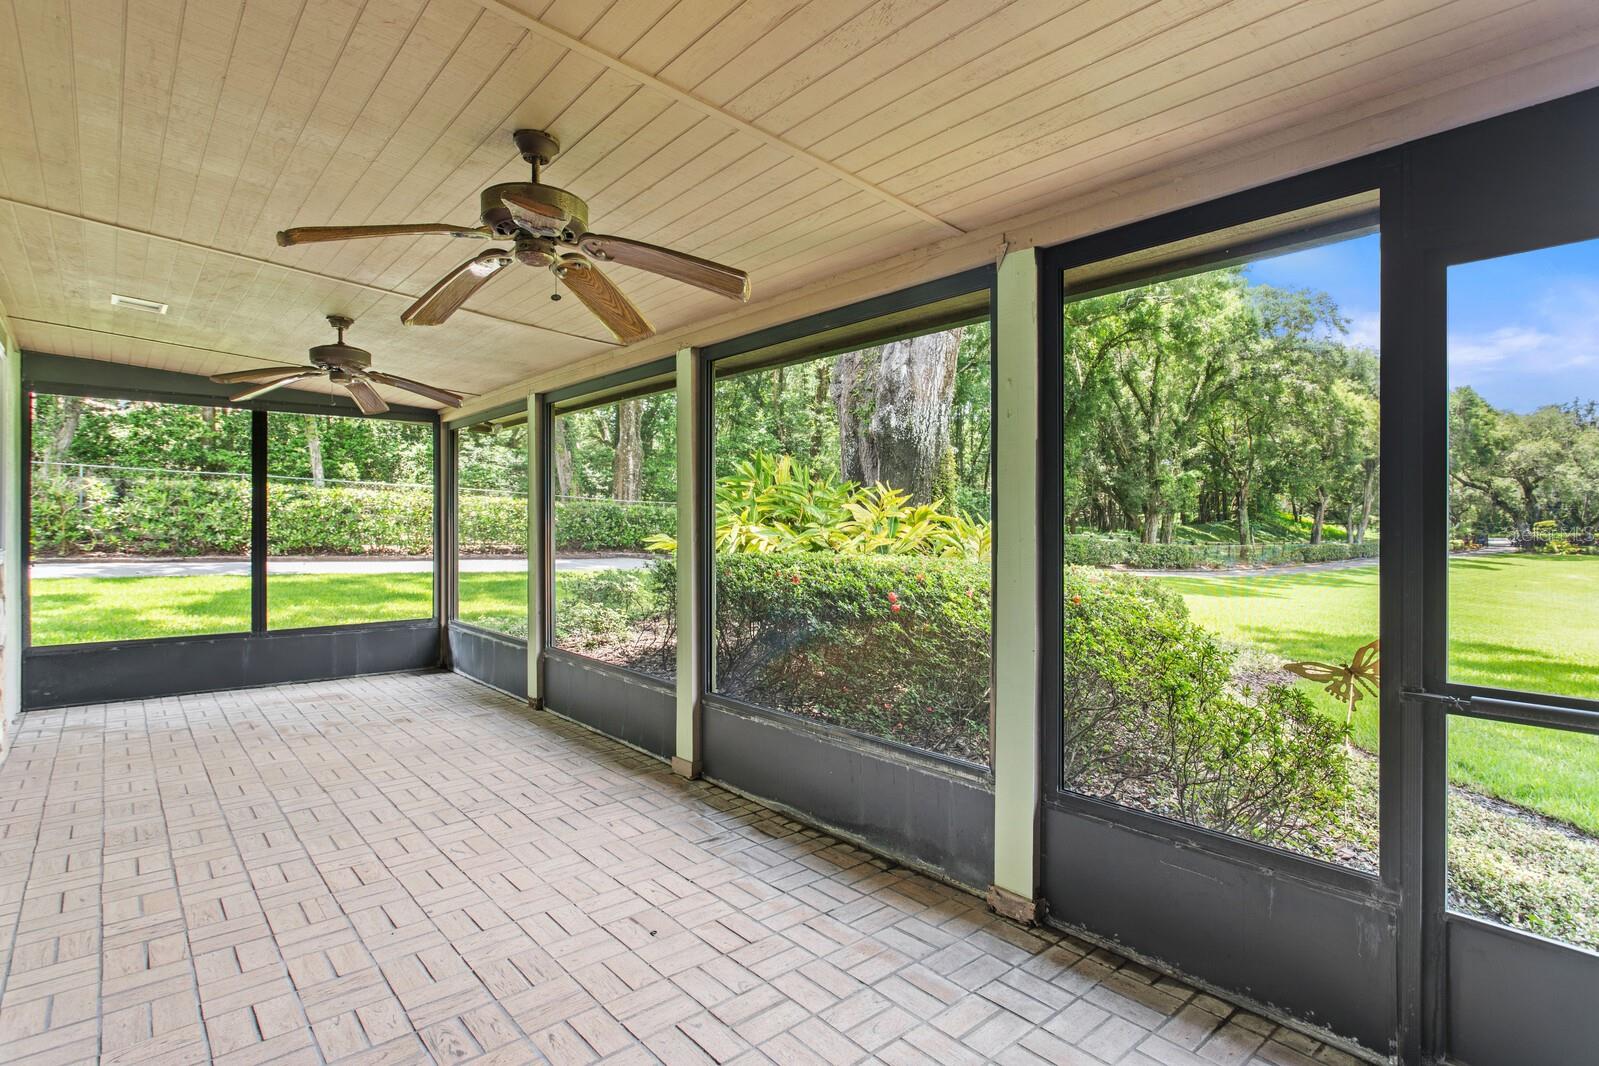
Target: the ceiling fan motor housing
(341, 357)
(562, 216)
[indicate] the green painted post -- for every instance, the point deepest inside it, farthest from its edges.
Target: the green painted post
(691, 603)
(1016, 607)
(13, 553)
(540, 560)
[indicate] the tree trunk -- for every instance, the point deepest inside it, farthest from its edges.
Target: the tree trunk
(67, 429)
(894, 407)
(1244, 536)
(1168, 527)
(313, 449)
(562, 457)
(779, 430)
(1368, 493)
(1151, 524)
(627, 471)
(819, 411)
(1529, 501)
(1319, 519)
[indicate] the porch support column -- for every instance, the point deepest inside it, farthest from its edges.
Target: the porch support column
(13, 549)
(693, 492)
(1014, 892)
(540, 560)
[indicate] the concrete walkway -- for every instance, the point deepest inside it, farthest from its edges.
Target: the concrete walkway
(179, 567)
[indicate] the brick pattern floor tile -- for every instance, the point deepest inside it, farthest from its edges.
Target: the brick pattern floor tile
(416, 869)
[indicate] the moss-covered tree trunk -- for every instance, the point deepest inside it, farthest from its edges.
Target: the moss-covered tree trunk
(894, 406)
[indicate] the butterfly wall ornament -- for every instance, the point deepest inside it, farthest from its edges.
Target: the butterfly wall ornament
(1348, 682)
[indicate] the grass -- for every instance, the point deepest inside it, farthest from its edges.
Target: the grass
(1526, 622)
(75, 610)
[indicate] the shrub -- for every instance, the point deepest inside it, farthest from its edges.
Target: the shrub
(145, 514)
(1166, 556)
(625, 617)
(609, 525)
(198, 515)
(492, 524)
(1094, 549)
(892, 646)
(1151, 718)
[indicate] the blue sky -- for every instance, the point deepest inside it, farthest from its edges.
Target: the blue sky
(1523, 329)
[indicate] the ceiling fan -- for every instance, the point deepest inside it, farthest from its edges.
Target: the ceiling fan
(539, 219)
(343, 364)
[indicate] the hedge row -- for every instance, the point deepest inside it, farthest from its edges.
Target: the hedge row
(898, 647)
(211, 516)
(1092, 549)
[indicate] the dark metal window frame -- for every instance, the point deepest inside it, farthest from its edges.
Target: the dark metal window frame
(1375, 175)
(450, 491)
(1442, 202)
(47, 374)
(647, 379)
(804, 340)
(1437, 697)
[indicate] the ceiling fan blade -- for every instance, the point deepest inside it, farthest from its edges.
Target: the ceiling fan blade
(453, 290)
(313, 234)
(365, 396)
(679, 266)
(258, 376)
(624, 320)
(262, 388)
(444, 396)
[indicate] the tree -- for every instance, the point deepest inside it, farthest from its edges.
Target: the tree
(627, 468)
(562, 457)
(313, 449)
(894, 406)
(1145, 370)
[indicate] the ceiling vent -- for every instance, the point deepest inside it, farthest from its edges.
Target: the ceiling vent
(137, 304)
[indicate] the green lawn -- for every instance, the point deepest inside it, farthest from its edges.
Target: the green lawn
(73, 610)
(1516, 622)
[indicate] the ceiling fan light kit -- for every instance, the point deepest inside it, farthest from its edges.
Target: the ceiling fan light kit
(342, 364)
(540, 221)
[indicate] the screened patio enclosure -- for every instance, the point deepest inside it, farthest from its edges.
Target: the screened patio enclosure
(1144, 517)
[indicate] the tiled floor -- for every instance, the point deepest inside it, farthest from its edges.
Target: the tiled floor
(413, 868)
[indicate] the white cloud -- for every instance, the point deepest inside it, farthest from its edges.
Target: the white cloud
(1365, 330)
(1558, 332)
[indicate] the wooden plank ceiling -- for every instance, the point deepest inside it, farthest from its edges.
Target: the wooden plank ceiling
(152, 147)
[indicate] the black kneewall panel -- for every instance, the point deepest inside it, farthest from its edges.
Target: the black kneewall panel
(1515, 1000)
(97, 673)
(1309, 951)
(629, 707)
(490, 658)
(923, 815)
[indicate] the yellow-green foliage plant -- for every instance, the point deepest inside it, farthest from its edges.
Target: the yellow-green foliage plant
(779, 504)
